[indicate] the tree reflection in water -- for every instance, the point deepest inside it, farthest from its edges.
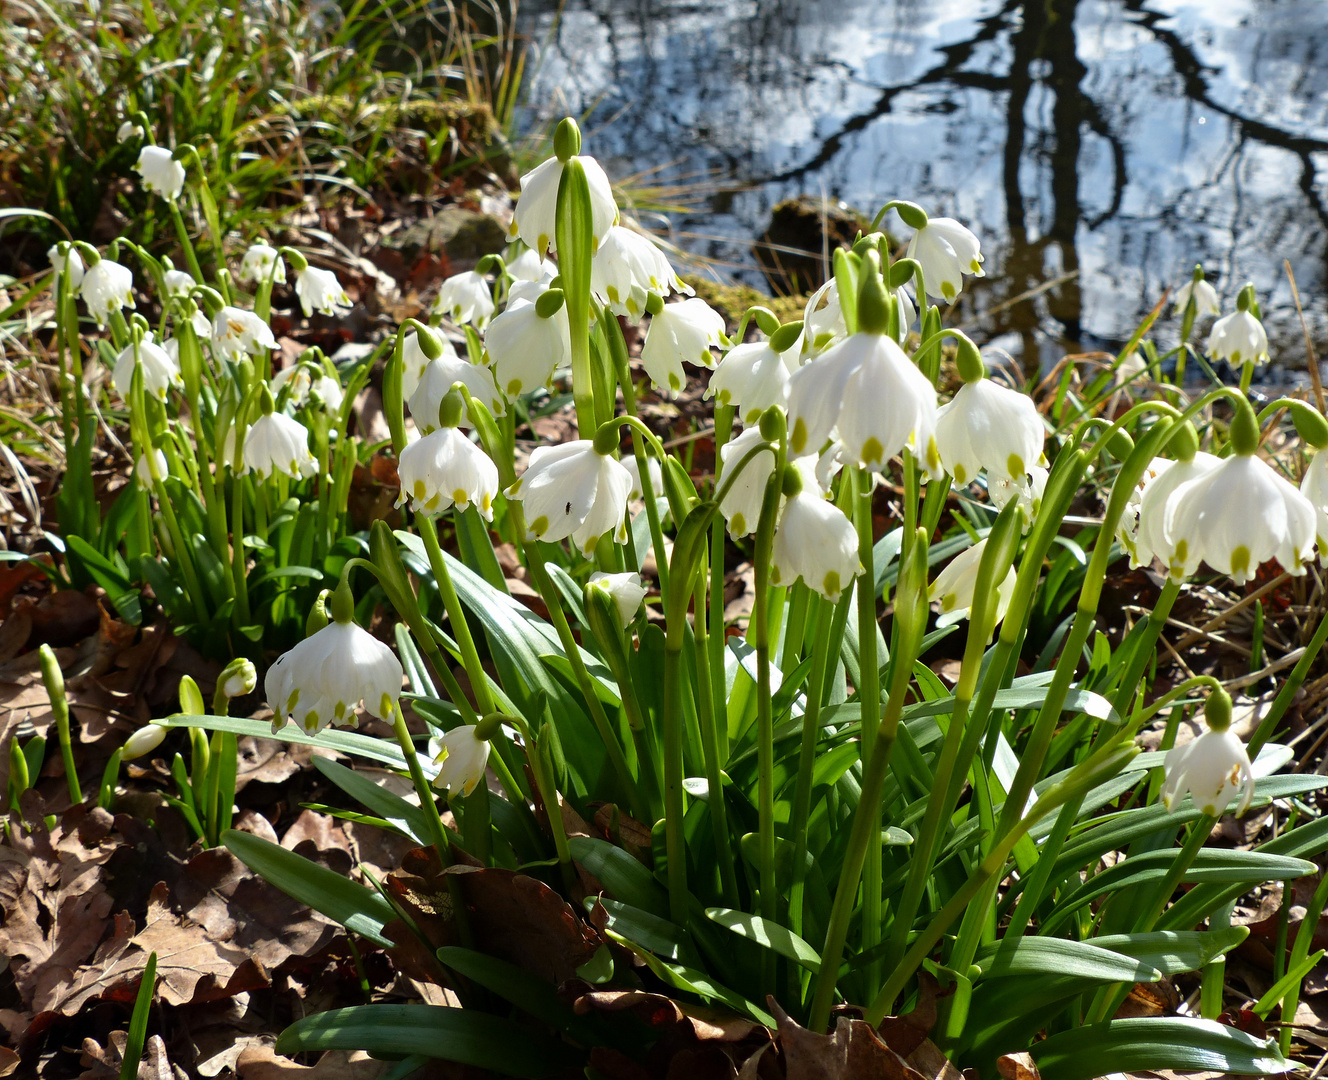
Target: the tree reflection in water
(1119, 138)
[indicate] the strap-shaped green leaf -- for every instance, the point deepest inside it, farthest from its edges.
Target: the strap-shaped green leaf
(778, 938)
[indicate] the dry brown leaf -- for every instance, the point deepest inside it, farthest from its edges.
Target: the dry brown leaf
(853, 1052)
(9, 1061)
(104, 1063)
(264, 1063)
(1017, 1067)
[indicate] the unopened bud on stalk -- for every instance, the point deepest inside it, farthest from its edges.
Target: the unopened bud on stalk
(317, 614)
(143, 741)
(1310, 423)
(238, 678)
(191, 697)
(1120, 445)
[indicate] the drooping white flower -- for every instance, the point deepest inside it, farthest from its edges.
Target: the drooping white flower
(126, 130)
(752, 377)
(445, 469)
(1212, 768)
(528, 266)
(526, 349)
(58, 264)
(955, 585)
(1129, 368)
(626, 591)
(741, 505)
(814, 541)
(178, 283)
(326, 390)
(626, 268)
(107, 286)
(319, 290)
(570, 490)
(536, 209)
(260, 263)
(415, 360)
(143, 470)
(1028, 489)
(653, 471)
(159, 371)
(683, 331)
(1314, 487)
(299, 380)
(143, 741)
(438, 378)
(989, 426)
(1238, 338)
(946, 251)
(275, 443)
(462, 757)
(868, 390)
(1142, 529)
(465, 298)
(1236, 516)
(161, 173)
(237, 333)
(327, 676)
(822, 326)
(1205, 298)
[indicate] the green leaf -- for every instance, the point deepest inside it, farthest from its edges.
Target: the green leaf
(770, 934)
(306, 572)
(346, 742)
(622, 875)
(465, 1036)
(1288, 982)
(1154, 1043)
(659, 935)
(1175, 951)
(403, 816)
(352, 905)
(1058, 956)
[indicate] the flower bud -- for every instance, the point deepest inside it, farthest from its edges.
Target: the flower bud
(772, 424)
(191, 697)
(317, 618)
(624, 591)
(143, 741)
(1310, 424)
(238, 678)
(782, 339)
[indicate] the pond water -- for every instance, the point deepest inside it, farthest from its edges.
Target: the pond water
(1121, 139)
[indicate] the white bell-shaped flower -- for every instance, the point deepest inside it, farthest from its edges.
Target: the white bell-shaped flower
(526, 348)
(653, 471)
(462, 758)
(319, 290)
(954, 586)
(298, 378)
(1314, 487)
(260, 263)
(1142, 529)
(1234, 517)
(143, 470)
(626, 591)
(822, 320)
(326, 390)
(1213, 769)
(752, 377)
(178, 283)
(126, 130)
(1028, 489)
(465, 298)
(627, 268)
(741, 505)
(868, 390)
(327, 676)
(1205, 298)
(415, 360)
(683, 331)
(946, 251)
(445, 469)
(1238, 338)
(1129, 368)
(989, 426)
(439, 377)
(106, 287)
(815, 541)
(537, 208)
(528, 266)
(237, 333)
(571, 490)
(159, 371)
(161, 173)
(275, 443)
(58, 264)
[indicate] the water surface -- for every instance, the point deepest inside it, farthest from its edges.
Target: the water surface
(1121, 139)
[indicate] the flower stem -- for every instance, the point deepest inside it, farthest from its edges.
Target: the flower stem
(470, 657)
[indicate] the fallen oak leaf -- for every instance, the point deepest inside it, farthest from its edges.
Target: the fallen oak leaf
(264, 1063)
(104, 1063)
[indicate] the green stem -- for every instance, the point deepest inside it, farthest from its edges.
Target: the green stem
(470, 657)
(674, 805)
(422, 787)
(191, 259)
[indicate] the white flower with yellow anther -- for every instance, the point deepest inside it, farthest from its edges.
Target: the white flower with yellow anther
(178, 283)
(946, 251)
(319, 290)
(327, 676)
(1237, 515)
(526, 346)
(537, 208)
(277, 444)
(160, 171)
(70, 260)
(741, 505)
(989, 426)
(438, 378)
(1028, 489)
(753, 376)
(954, 586)
(462, 757)
(155, 365)
(573, 490)
(465, 298)
(814, 540)
(260, 263)
(1204, 295)
(445, 469)
(1142, 529)
(528, 266)
(106, 287)
(822, 320)
(627, 268)
(1238, 338)
(684, 331)
(1213, 768)
(625, 590)
(653, 471)
(237, 333)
